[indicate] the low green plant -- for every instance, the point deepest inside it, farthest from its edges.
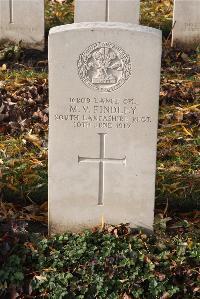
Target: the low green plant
(10, 51)
(103, 264)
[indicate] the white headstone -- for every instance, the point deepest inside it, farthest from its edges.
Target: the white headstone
(186, 23)
(126, 11)
(104, 92)
(22, 20)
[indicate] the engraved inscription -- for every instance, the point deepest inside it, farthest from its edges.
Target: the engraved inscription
(101, 160)
(103, 113)
(21, 28)
(192, 26)
(104, 66)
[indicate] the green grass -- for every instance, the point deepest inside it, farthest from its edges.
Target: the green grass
(23, 74)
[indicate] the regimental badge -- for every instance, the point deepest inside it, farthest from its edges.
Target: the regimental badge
(104, 66)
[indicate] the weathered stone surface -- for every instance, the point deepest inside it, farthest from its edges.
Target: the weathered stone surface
(90, 11)
(22, 20)
(104, 91)
(126, 11)
(186, 24)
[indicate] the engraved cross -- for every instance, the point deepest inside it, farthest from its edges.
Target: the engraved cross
(11, 11)
(101, 160)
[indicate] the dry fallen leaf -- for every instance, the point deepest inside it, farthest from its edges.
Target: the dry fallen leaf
(40, 277)
(4, 67)
(33, 139)
(186, 131)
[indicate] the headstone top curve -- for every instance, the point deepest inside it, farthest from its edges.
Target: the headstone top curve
(105, 25)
